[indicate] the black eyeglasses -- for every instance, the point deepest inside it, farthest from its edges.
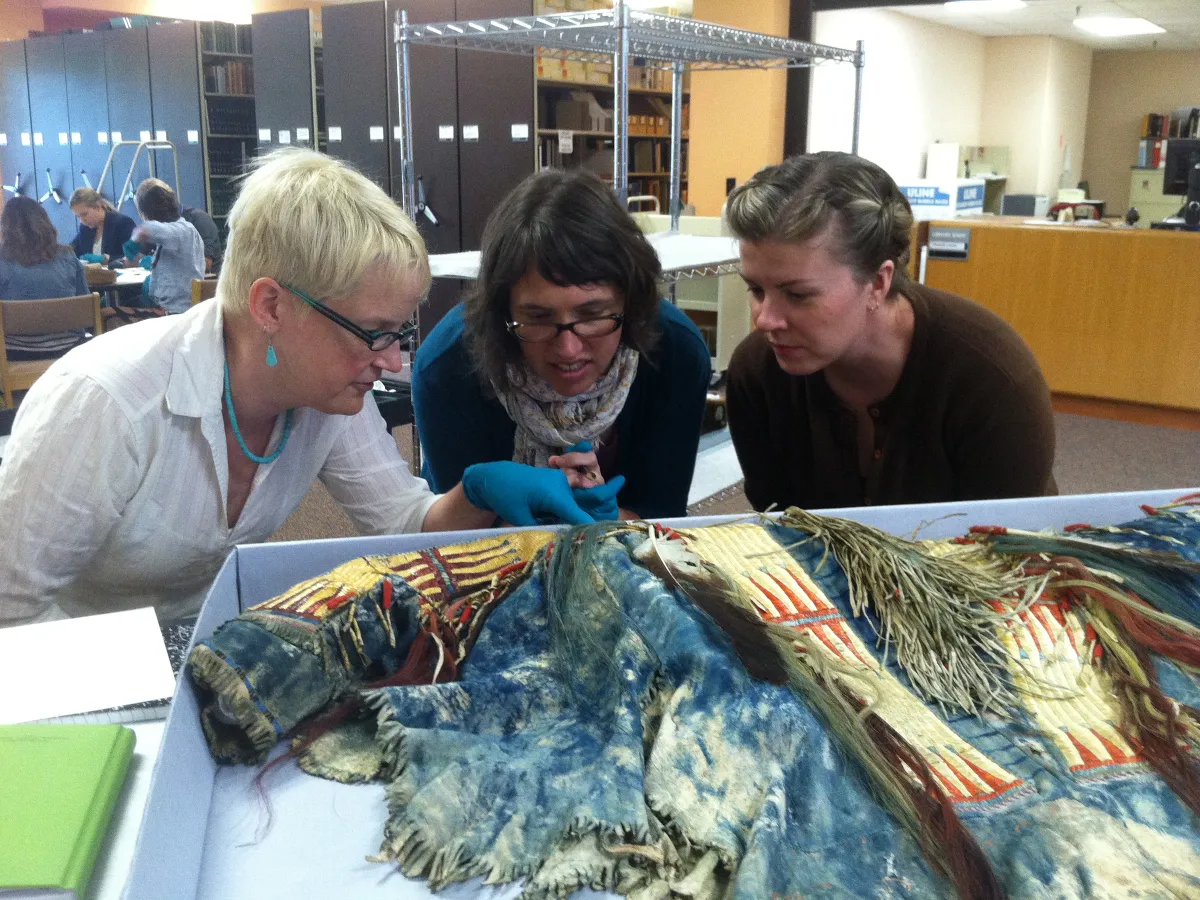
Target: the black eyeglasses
(541, 332)
(375, 340)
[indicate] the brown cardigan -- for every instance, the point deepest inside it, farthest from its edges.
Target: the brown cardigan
(969, 419)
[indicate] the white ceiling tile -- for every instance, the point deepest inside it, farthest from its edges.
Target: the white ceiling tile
(1181, 18)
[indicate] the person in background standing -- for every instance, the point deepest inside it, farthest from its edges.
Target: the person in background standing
(214, 253)
(179, 257)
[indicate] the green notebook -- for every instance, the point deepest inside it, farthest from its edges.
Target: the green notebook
(58, 786)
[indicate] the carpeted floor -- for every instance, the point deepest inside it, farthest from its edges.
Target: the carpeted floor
(1093, 456)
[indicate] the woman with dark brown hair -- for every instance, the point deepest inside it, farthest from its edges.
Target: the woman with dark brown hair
(564, 356)
(859, 386)
(34, 266)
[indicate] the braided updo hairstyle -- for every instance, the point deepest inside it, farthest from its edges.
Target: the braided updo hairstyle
(804, 195)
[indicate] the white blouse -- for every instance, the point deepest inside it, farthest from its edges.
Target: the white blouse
(115, 478)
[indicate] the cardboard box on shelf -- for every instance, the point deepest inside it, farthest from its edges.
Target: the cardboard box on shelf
(572, 115)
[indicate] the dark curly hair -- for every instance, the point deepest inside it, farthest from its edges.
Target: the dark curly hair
(27, 236)
(570, 228)
(804, 195)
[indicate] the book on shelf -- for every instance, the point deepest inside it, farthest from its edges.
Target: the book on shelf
(224, 37)
(1156, 125)
(1152, 153)
(61, 784)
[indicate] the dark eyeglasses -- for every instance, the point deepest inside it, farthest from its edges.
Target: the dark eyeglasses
(541, 332)
(375, 340)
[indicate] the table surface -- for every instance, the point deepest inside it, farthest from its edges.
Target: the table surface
(116, 854)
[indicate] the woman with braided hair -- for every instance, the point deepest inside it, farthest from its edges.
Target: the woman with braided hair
(859, 386)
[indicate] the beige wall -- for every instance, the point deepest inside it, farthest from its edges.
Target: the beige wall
(1064, 123)
(923, 82)
(1125, 86)
(18, 18)
(1036, 96)
(736, 117)
(1015, 79)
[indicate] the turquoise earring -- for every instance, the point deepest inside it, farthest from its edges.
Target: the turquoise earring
(272, 359)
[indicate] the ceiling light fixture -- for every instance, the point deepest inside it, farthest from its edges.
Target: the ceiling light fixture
(984, 6)
(1117, 26)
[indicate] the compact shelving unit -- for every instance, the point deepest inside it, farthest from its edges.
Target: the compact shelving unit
(230, 139)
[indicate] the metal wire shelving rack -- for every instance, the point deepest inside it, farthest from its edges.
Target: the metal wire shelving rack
(617, 35)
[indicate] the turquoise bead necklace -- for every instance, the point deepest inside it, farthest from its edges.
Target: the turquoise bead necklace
(237, 432)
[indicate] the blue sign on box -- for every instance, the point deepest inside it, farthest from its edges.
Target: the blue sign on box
(970, 195)
(928, 196)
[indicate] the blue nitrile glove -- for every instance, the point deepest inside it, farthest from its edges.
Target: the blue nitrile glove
(147, 263)
(600, 502)
(92, 258)
(132, 249)
(522, 494)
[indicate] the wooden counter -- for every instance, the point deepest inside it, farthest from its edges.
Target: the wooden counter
(1111, 313)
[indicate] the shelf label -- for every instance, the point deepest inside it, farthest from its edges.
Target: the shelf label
(193, 136)
(949, 243)
(285, 136)
(3, 139)
(37, 139)
(566, 142)
(397, 133)
(520, 131)
(335, 134)
(26, 139)
(445, 132)
(302, 134)
(376, 132)
(63, 138)
(116, 137)
(471, 133)
(76, 137)
(264, 135)
(144, 135)
(160, 135)
(101, 137)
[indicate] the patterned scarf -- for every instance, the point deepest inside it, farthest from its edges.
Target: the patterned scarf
(548, 423)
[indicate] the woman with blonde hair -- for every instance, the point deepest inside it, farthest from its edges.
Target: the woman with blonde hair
(859, 386)
(139, 460)
(102, 230)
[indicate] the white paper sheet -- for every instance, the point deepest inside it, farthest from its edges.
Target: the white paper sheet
(79, 665)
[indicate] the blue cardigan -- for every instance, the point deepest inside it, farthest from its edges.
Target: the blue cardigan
(460, 422)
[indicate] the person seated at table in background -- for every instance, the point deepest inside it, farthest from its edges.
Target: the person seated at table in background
(203, 223)
(179, 255)
(563, 355)
(859, 386)
(138, 461)
(102, 230)
(34, 266)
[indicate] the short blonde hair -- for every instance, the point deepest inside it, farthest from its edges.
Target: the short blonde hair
(310, 220)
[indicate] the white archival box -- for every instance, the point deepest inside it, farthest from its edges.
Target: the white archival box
(944, 199)
(197, 838)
